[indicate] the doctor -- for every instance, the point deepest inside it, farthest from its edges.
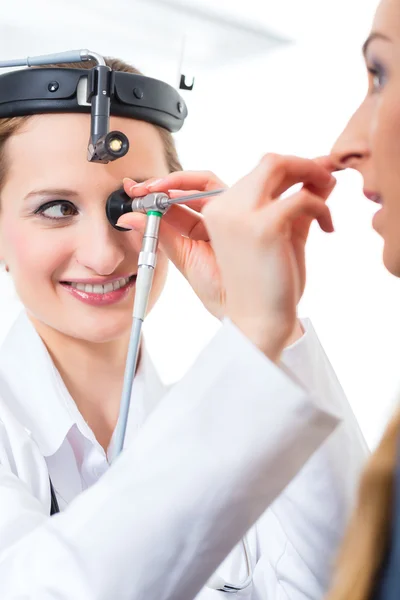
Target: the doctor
(260, 422)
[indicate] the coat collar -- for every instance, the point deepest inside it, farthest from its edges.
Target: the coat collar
(37, 395)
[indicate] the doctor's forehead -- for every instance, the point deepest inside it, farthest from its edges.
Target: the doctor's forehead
(55, 146)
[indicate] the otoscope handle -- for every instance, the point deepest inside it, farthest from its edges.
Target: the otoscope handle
(146, 264)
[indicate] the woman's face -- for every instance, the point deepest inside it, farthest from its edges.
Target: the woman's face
(54, 234)
(371, 141)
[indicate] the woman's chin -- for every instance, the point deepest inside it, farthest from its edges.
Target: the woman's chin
(97, 330)
(391, 258)
(104, 334)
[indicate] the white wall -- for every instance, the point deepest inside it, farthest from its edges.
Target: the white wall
(295, 100)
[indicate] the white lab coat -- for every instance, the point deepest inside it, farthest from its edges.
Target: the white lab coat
(228, 441)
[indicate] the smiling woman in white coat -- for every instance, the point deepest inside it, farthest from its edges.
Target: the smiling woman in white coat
(257, 440)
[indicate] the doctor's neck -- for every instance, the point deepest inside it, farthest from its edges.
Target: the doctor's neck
(93, 375)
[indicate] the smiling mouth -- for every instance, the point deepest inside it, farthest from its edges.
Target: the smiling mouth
(97, 288)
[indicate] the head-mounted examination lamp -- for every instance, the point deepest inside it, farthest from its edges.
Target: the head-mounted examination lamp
(99, 91)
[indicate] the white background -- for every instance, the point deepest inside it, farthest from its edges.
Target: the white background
(290, 98)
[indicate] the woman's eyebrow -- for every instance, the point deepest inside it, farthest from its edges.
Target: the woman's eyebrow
(51, 192)
(374, 35)
(65, 192)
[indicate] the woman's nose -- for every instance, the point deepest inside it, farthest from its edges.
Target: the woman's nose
(99, 248)
(351, 149)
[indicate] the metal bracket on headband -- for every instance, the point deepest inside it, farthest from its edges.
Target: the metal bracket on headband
(99, 91)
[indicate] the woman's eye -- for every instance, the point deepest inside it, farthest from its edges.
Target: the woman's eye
(58, 209)
(377, 78)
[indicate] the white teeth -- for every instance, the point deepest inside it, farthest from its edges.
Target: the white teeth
(100, 289)
(120, 283)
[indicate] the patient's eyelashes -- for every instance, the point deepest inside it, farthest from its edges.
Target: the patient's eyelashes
(378, 76)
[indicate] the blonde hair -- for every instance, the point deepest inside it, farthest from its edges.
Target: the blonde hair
(9, 126)
(368, 535)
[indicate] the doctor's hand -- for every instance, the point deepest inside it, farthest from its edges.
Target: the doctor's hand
(244, 251)
(183, 235)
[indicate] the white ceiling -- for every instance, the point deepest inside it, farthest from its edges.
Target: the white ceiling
(151, 33)
(299, 20)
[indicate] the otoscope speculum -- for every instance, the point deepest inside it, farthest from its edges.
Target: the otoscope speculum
(119, 203)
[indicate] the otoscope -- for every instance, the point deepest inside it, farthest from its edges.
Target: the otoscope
(154, 205)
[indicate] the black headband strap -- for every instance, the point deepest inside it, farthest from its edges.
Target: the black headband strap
(55, 90)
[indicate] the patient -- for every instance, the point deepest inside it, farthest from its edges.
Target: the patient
(369, 566)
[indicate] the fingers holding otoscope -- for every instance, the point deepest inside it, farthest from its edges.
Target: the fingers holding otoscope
(280, 173)
(194, 189)
(177, 184)
(185, 218)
